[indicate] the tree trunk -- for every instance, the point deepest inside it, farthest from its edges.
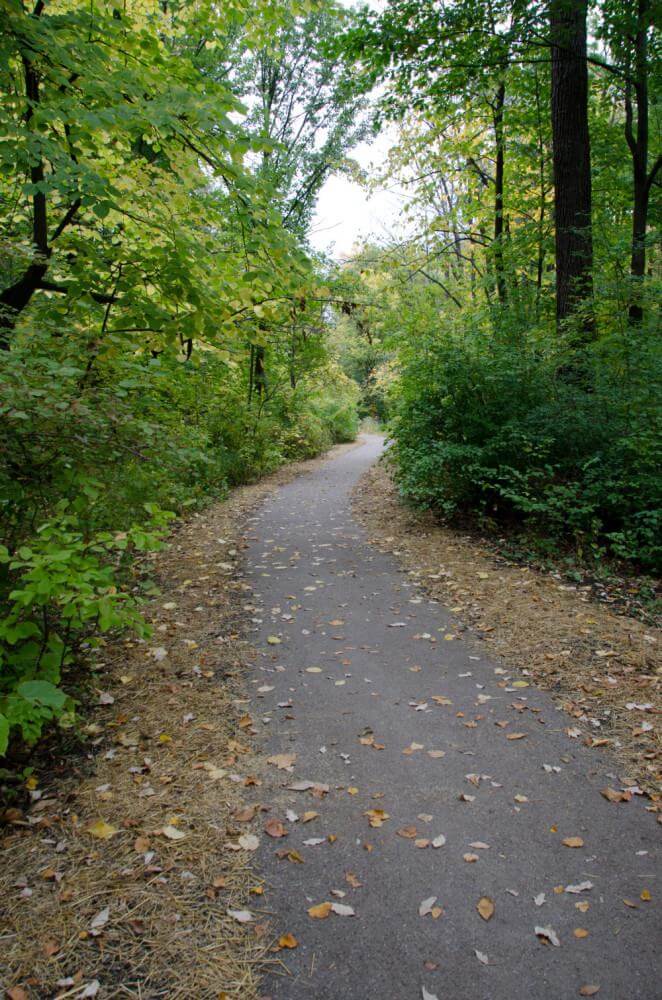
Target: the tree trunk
(572, 162)
(638, 143)
(498, 193)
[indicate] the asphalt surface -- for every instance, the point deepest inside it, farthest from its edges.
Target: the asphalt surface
(351, 614)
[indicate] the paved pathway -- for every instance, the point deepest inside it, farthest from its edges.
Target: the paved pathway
(357, 661)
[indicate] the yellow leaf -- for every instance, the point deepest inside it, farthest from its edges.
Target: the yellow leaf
(288, 940)
(102, 830)
(320, 911)
(485, 907)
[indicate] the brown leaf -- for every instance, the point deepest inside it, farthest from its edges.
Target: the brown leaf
(408, 832)
(283, 761)
(320, 911)
(141, 845)
(287, 941)
(516, 736)
(50, 948)
(485, 907)
(580, 932)
(274, 828)
(17, 993)
(245, 815)
(573, 842)
(589, 990)
(613, 796)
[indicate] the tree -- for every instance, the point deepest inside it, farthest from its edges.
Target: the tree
(572, 160)
(628, 30)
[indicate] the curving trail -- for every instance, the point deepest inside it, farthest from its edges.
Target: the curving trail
(342, 608)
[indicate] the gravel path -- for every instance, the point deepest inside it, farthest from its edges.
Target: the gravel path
(383, 700)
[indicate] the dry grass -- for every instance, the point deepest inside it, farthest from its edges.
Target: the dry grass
(593, 660)
(148, 764)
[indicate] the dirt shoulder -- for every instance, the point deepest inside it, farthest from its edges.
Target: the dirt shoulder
(119, 879)
(604, 668)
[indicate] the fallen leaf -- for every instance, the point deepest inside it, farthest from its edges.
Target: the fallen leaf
(573, 842)
(580, 932)
(516, 736)
(287, 941)
(547, 934)
(274, 828)
(426, 906)
(249, 842)
(273, 640)
(470, 858)
(589, 990)
(342, 910)
(485, 907)
(99, 921)
(283, 761)
(102, 830)
(241, 916)
(320, 911)
(439, 841)
(172, 833)
(482, 957)
(426, 995)
(376, 817)
(613, 796)
(408, 832)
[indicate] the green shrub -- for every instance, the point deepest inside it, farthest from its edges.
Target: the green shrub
(495, 430)
(62, 587)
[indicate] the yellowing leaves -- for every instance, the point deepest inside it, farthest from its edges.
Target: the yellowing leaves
(102, 830)
(376, 817)
(485, 907)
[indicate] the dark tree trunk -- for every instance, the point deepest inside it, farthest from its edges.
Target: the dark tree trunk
(638, 142)
(572, 161)
(259, 371)
(498, 193)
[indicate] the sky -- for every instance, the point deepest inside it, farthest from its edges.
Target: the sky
(346, 211)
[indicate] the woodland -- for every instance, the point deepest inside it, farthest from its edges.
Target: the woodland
(168, 331)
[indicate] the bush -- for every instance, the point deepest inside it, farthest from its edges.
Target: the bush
(494, 430)
(91, 458)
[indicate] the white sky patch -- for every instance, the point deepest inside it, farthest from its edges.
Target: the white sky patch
(347, 213)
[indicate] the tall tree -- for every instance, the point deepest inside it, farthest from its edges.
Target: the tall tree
(628, 29)
(572, 160)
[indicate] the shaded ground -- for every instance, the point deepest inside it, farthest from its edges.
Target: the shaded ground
(391, 730)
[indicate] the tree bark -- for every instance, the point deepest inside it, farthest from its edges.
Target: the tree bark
(498, 193)
(638, 143)
(572, 162)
